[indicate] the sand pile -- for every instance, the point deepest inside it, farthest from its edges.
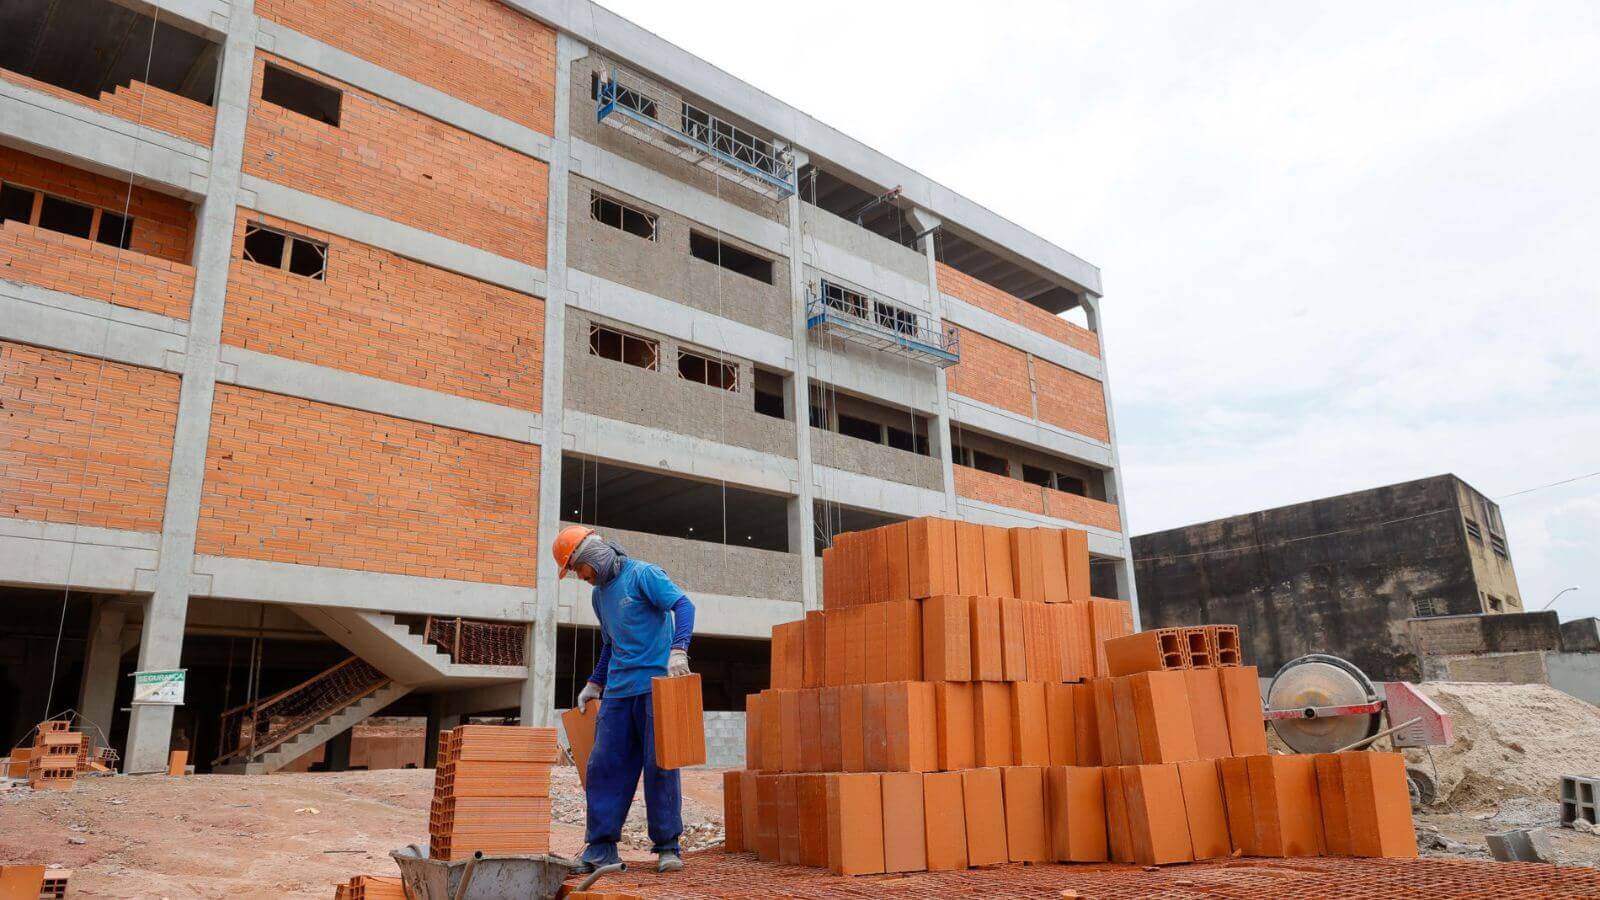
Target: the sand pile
(1512, 740)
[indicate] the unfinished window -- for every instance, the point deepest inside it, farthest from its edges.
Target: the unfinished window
(67, 217)
(93, 47)
(608, 343)
(1036, 475)
(988, 462)
(16, 204)
(1494, 603)
(632, 99)
(713, 250)
(895, 318)
(296, 93)
(769, 394)
(81, 220)
(844, 300)
(705, 370)
(861, 429)
(1070, 484)
(114, 230)
(621, 216)
(286, 252)
(960, 455)
(901, 439)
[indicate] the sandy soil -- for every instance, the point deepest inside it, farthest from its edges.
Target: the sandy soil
(266, 836)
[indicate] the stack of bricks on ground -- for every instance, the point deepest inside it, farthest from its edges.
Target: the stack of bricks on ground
(962, 701)
(55, 757)
(491, 791)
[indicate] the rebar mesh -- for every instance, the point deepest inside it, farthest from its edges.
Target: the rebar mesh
(255, 728)
(477, 643)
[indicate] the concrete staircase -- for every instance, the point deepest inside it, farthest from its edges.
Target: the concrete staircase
(403, 656)
(332, 726)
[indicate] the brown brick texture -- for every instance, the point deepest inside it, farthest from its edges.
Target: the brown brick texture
(1013, 493)
(998, 374)
(393, 162)
(139, 103)
(478, 51)
(84, 441)
(986, 296)
(293, 481)
(389, 317)
(163, 226)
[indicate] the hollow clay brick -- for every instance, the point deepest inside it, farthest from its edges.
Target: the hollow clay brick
(855, 824)
(1108, 619)
(732, 812)
(875, 642)
(991, 723)
(752, 732)
(983, 800)
(1061, 642)
(830, 574)
(905, 841)
(1040, 650)
(1378, 805)
(1026, 567)
(1156, 822)
(1107, 730)
(752, 809)
(811, 796)
(1085, 725)
(1118, 840)
(903, 627)
(815, 649)
(1335, 812)
(1283, 793)
(811, 728)
(1030, 724)
(1239, 804)
(1205, 708)
(898, 583)
(953, 706)
(945, 821)
(852, 724)
(1076, 808)
(1145, 651)
(997, 562)
(772, 731)
(787, 638)
(875, 566)
(579, 725)
(1075, 548)
(1013, 638)
(767, 817)
(931, 557)
(1081, 634)
(1166, 726)
(1197, 648)
(1027, 830)
(1129, 748)
(829, 735)
(1203, 806)
(911, 724)
(836, 641)
(1241, 699)
(987, 662)
(789, 719)
(678, 708)
(946, 638)
(1053, 562)
(970, 575)
(874, 730)
(1061, 724)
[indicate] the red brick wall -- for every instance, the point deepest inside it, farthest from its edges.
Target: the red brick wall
(392, 162)
(162, 226)
(1012, 493)
(475, 50)
(986, 296)
(992, 372)
(84, 441)
(389, 317)
(293, 481)
(61, 262)
(139, 103)
(1070, 400)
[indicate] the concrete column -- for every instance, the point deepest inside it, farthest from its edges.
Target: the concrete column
(537, 706)
(802, 507)
(939, 440)
(1126, 584)
(102, 664)
(438, 720)
(161, 641)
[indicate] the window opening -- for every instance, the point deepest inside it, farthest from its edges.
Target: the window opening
(988, 462)
(895, 318)
(712, 250)
(769, 394)
(844, 300)
(1036, 475)
(901, 439)
(708, 371)
(862, 429)
(114, 230)
(281, 250)
(16, 204)
(67, 217)
(608, 343)
(1072, 485)
(628, 97)
(621, 216)
(296, 93)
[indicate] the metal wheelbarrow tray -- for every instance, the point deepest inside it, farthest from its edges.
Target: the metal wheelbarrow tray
(487, 877)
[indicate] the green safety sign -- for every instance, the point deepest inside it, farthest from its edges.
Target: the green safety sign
(159, 687)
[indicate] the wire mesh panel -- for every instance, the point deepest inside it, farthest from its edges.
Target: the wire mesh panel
(476, 643)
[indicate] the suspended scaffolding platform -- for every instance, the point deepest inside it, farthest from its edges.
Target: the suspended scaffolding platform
(839, 311)
(632, 104)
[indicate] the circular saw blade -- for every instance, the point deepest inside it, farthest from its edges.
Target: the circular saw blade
(1320, 680)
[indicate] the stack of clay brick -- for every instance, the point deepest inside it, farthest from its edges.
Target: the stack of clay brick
(962, 701)
(491, 791)
(53, 763)
(371, 887)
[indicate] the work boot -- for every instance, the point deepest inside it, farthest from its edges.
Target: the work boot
(669, 861)
(595, 857)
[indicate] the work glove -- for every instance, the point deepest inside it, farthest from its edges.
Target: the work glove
(591, 691)
(677, 662)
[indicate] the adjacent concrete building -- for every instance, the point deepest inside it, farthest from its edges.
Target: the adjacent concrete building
(318, 318)
(1341, 575)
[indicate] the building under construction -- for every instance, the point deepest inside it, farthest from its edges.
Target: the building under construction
(318, 318)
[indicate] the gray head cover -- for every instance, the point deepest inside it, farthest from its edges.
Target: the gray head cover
(604, 556)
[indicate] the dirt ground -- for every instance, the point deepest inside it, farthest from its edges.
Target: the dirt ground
(269, 835)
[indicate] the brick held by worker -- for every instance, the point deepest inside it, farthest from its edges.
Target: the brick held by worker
(645, 624)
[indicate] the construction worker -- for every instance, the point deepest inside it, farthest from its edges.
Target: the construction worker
(645, 625)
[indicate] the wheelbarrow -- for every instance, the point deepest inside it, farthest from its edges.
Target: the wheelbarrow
(481, 877)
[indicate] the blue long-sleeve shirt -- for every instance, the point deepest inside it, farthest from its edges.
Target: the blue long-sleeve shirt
(636, 635)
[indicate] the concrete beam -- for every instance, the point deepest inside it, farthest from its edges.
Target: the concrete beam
(323, 384)
(404, 240)
(1127, 585)
(51, 554)
(207, 18)
(876, 494)
(1010, 333)
(49, 126)
(891, 380)
(350, 69)
(1015, 427)
(236, 578)
(61, 321)
(664, 451)
(625, 304)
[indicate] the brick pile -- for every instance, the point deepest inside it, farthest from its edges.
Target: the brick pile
(491, 791)
(53, 764)
(371, 887)
(961, 700)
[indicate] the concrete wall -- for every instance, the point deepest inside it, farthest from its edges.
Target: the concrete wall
(1575, 673)
(1496, 577)
(1480, 634)
(704, 567)
(1581, 635)
(878, 460)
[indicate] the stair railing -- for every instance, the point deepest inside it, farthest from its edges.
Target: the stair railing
(478, 643)
(251, 730)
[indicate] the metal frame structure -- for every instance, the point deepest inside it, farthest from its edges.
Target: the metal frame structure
(919, 341)
(634, 105)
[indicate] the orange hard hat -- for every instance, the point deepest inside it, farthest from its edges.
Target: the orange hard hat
(566, 544)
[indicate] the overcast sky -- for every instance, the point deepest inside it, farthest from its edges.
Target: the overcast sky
(1343, 244)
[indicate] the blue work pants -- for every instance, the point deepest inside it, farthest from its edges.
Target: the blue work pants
(624, 743)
